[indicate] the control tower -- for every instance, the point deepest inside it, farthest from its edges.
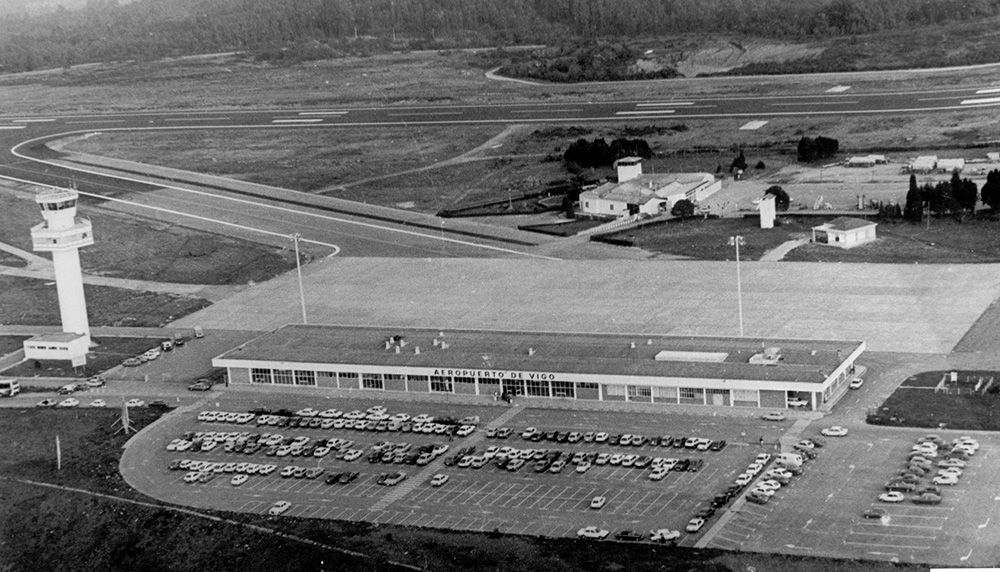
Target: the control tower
(63, 234)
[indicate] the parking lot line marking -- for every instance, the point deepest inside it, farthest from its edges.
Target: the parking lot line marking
(897, 546)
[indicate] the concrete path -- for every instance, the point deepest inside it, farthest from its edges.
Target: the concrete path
(779, 252)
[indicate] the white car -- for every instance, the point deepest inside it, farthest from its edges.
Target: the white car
(835, 431)
(331, 413)
(422, 418)
(773, 416)
(353, 454)
(529, 432)
(238, 480)
(856, 383)
(438, 480)
(762, 458)
(152, 354)
(695, 524)
(743, 479)
(592, 532)
(951, 463)
(98, 403)
(664, 535)
(658, 473)
(307, 412)
(950, 471)
(465, 430)
(796, 402)
(279, 507)
(601, 437)
(134, 403)
(598, 502)
(945, 480)
(583, 467)
(68, 402)
(893, 496)
(759, 490)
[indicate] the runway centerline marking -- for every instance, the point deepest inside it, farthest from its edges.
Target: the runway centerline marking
(298, 120)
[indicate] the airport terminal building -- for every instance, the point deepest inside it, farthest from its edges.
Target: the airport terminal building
(728, 372)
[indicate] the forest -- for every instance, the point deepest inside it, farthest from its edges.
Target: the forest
(106, 30)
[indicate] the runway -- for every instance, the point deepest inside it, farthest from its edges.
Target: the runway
(25, 156)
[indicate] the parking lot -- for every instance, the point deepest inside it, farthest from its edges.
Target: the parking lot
(821, 514)
(482, 499)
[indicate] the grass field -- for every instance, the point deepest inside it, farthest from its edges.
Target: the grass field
(48, 529)
(915, 403)
(108, 353)
(144, 249)
(32, 302)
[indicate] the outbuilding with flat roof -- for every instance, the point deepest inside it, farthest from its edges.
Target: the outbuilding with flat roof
(731, 372)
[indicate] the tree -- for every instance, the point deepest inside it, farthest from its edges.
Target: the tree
(810, 149)
(990, 194)
(964, 192)
(682, 208)
(914, 209)
(739, 163)
(781, 198)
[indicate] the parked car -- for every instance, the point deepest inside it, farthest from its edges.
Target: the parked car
(695, 524)
(592, 532)
(774, 416)
(664, 535)
(874, 512)
(200, 385)
(893, 497)
(598, 502)
(278, 508)
(438, 480)
(629, 536)
(927, 498)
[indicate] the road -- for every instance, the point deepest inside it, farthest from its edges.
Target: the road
(25, 156)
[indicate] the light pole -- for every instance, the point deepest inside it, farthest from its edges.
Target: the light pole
(298, 267)
(738, 241)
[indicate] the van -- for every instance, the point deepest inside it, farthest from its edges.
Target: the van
(792, 459)
(198, 332)
(167, 345)
(9, 387)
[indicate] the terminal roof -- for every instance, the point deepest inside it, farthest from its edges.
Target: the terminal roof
(554, 352)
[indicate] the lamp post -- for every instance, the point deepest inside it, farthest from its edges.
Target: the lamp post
(738, 241)
(298, 267)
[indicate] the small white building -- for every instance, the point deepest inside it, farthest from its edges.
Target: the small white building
(924, 164)
(637, 193)
(844, 232)
(950, 165)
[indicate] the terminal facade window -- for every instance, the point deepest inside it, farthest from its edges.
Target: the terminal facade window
(639, 393)
(441, 384)
(283, 377)
(537, 387)
(260, 375)
(305, 377)
(371, 381)
(563, 389)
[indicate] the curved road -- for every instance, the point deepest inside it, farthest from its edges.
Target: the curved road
(24, 156)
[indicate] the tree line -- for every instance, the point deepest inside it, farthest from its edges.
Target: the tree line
(144, 29)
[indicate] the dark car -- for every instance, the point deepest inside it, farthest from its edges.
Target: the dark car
(706, 512)
(682, 465)
(260, 411)
(874, 512)
(901, 486)
(174, 465)
(642, 462)
(504, 432)
(718, 445)
(629, 536)
(654, 441)
(562, 436)
(696, 465)
(927, 498)
(614, 439)
(158, 404)
(678, 442)
(550, 435)
(720, 501)
(333, 478)
(382, 478)
(349, 477)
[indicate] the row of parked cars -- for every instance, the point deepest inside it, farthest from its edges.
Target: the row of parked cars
(930, 464)
(662, 535)
(555, 461)
(206, 471)
(375, 418)
(677, 442)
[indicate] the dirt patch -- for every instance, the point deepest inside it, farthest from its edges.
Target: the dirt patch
(722, 55)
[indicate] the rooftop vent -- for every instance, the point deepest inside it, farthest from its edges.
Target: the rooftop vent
(531, 351)
(416, 350)
(770, 356)
(631, 345)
